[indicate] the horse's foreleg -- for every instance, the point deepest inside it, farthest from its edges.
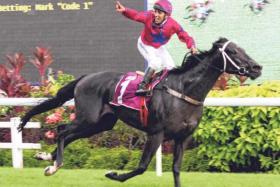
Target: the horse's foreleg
(150, 149)
(179, 147)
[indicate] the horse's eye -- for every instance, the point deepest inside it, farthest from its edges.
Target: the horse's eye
(234, 51)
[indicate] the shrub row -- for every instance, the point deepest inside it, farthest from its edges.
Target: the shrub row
(242, 138)
(81, 154)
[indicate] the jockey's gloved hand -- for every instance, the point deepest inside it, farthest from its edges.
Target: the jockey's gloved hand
(194, 50)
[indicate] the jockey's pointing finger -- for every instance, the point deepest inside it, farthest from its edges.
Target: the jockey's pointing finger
(119, 7)
(117, 4)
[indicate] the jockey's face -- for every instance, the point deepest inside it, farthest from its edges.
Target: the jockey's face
(160, 16)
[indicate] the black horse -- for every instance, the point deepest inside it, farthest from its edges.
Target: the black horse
(175, 107)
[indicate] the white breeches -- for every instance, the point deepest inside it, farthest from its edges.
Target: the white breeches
(157, 58)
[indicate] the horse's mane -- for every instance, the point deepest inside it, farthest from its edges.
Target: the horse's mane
(191, 61)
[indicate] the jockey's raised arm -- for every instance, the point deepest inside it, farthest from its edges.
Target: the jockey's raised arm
(135, 15)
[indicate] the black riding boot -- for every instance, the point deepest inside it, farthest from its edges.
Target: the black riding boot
(142, 87)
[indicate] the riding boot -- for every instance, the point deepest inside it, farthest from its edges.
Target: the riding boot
(142, 87)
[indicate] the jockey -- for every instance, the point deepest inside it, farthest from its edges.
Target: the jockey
(158, 29)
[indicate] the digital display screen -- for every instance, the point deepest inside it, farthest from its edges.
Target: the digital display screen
(84, 36)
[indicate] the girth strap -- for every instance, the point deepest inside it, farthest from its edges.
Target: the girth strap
(182, 96)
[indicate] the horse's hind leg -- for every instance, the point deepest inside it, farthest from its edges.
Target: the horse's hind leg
(107, 122)
(85, 133)
(108, 119)
(150, 149)
(49, 156)
(50, 170)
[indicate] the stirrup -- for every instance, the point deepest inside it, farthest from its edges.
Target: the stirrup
(143, 92)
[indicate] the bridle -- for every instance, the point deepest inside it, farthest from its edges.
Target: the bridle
(226, 58)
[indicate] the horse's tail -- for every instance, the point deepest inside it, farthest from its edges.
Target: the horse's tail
(64, 94)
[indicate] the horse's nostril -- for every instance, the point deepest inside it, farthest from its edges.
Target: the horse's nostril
(257, 67)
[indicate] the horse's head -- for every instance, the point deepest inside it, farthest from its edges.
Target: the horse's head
(235, 60)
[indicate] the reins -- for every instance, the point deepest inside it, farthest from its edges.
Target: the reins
(240, 70)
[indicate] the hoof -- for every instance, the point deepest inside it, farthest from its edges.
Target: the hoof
(50, 170)
(112, 175)
(43, 156)
(115, 176)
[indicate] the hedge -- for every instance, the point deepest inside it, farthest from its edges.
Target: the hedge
(81, 154)
(242, 138)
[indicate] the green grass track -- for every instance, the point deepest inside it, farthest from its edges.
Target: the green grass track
(27, 177)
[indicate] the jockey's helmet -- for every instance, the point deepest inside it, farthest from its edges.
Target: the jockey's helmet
(163, 5)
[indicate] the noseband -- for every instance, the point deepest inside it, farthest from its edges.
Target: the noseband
(241, 70)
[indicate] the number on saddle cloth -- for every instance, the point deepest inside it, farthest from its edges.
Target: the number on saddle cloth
(127, 86)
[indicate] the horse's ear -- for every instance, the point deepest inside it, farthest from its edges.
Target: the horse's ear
(217, 45)
(220, 42)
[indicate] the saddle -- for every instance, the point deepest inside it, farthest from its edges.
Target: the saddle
(126, 88)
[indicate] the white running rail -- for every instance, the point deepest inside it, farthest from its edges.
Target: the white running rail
(16, 144)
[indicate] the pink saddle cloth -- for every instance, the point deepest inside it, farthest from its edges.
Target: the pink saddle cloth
(127, 86)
